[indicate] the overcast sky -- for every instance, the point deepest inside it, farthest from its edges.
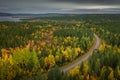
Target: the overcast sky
(60, 6)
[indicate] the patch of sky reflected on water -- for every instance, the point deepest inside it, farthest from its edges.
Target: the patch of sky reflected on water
(9, 18)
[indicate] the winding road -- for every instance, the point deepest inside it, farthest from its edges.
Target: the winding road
(84, 57)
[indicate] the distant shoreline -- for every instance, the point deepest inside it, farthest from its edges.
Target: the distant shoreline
(20, 17)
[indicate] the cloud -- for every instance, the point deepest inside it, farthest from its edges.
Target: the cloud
(57, 5)
(3, 8)
(117, 2)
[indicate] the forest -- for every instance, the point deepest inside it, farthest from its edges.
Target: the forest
(36, 49)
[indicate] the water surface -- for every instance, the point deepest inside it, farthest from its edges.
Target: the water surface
(9, 18)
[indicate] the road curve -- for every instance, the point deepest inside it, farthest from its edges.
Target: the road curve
(84, 57)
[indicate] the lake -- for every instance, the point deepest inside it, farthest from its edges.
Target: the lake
(9, 18)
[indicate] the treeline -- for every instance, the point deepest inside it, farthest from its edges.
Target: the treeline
(82, 18)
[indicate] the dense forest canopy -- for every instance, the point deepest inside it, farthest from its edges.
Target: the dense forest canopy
(36, 49)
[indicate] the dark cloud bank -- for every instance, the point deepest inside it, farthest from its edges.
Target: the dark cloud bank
(60, 6)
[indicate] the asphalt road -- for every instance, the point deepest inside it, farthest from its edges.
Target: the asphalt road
(84, 57)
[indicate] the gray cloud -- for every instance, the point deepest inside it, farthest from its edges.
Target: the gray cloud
(57, 5)
(89, 1)
(115, 2)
